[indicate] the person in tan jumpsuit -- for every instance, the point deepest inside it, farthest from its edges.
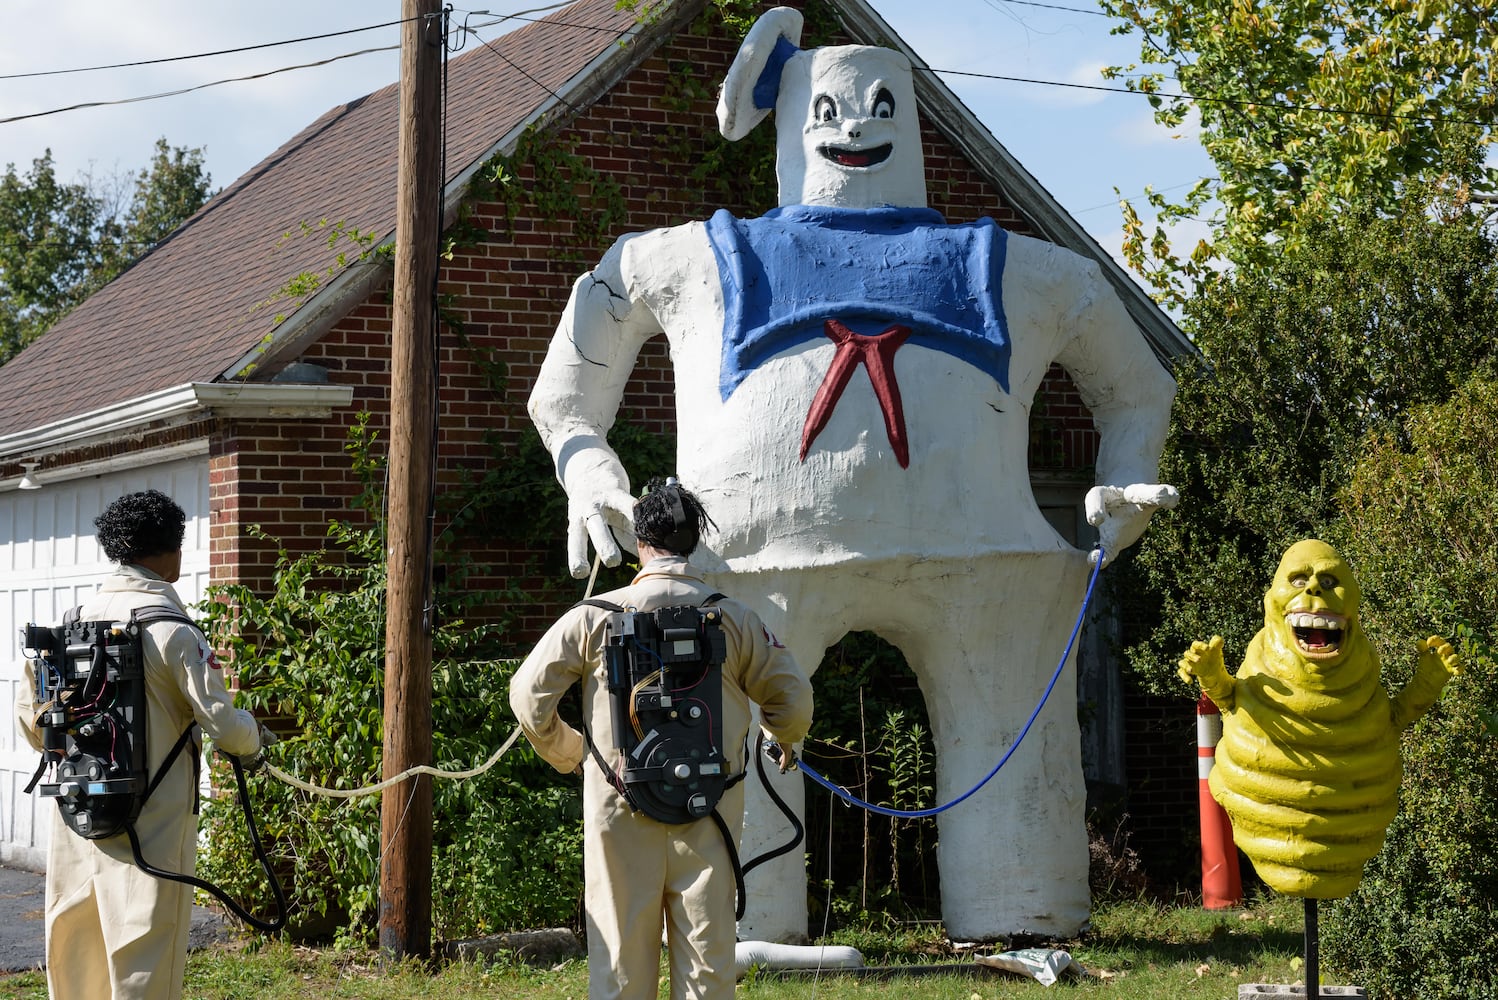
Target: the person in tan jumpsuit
(635, 868)
(114, 931)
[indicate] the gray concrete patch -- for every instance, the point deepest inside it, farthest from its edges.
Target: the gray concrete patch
(23, 926)
(23, 933)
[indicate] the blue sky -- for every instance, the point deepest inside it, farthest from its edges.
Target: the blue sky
(1080, 144)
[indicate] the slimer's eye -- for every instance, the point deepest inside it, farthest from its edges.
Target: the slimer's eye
(825, 109)
(884, 104)
(1328, 582)
(1299, 580)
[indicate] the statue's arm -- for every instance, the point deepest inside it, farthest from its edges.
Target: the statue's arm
(1437, 664)
(1129, 393)
(1203, 662)
(576, 398)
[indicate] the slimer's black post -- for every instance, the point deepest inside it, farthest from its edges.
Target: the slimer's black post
(1313, 952)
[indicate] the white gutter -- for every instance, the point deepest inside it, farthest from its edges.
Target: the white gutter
(196, 448)
(272, 400)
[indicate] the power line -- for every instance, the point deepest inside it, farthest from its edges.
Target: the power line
(1049, 6)
(196, 55)
(521, 15)
(474, 31)
(199, 86)
(1236, 102)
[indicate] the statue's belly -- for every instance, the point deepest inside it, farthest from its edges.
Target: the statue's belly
(1309, 803)
(964, 490)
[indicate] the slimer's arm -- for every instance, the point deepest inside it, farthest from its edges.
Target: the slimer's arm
(1438, 663)
(1203, 662)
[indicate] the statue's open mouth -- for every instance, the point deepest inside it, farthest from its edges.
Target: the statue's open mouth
(1317, 635)
(857, 157)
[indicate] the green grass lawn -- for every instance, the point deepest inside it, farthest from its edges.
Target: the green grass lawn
(1134, 951)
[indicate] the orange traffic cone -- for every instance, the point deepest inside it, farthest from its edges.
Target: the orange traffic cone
(1222, 888)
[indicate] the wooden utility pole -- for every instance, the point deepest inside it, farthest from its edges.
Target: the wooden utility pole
(406, 809)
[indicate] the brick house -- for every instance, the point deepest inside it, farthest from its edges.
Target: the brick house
(227, 365)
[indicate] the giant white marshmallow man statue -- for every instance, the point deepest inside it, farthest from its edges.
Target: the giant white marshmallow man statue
(895, 500)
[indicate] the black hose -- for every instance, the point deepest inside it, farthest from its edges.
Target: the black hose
(790, 814)
(269, 927)
(740, 870)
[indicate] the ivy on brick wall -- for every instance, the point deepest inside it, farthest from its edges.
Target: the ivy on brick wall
(543, 172)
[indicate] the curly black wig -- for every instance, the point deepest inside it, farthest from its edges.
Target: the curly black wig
(669, 517)
(141, 525)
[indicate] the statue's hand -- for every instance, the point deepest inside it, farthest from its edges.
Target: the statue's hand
(1435, 664)
(1203, 662)
(600, 508)
(1437, 658)
(1121, 513)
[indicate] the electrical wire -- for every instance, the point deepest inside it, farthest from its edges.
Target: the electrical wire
(472, 29)
(520, 69)
(843, 793)
(1233, 101)
(1048, 6)
(196, 55)
(200, 86)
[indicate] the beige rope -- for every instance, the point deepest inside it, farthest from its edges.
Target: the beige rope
(436, 772)
(353, 793)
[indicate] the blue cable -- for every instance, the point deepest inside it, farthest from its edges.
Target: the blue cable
(848, 796)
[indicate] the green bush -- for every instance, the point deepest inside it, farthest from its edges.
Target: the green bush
(506, 845)
(311, 655)
(1418, 529)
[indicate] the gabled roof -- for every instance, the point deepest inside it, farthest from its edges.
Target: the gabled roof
(205, 303)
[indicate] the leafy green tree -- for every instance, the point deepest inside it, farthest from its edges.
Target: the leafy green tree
(160, 198)
(62, 241)
(1419, 510)
(1308, 107)
(1367, 318)
(46, 250)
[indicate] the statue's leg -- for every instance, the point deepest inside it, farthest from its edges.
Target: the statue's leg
(985, 638)
(805, 620)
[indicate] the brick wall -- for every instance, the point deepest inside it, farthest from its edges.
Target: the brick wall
(1161, 800)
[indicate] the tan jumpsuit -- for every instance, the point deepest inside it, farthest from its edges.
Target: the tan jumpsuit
(636, 869)
(112, 930)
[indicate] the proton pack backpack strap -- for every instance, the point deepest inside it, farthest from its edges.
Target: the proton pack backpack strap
(164, 613)
(603, 765)
(596, 602)
(712, 599)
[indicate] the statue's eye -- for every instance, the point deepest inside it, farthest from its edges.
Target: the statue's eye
(1328, 582)
(825, 109)
(1299, 580)
(884, 104)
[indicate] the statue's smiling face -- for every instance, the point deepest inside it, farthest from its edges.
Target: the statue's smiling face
(849, 132)
(1313, 603)
(856, 132)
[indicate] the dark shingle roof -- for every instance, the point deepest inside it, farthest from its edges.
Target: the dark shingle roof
(197, 303)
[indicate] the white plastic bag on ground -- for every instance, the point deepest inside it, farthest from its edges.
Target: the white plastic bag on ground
(1044, 965)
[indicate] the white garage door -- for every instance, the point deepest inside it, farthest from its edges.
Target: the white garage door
(49, 561)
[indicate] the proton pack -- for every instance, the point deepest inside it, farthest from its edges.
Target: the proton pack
(91, 708)
(664, 672)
